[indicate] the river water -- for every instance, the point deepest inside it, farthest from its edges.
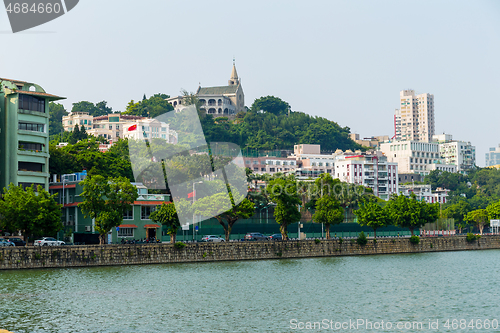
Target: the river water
(288, 295)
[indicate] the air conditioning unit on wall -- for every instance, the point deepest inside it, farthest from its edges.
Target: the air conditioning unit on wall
(88, 228)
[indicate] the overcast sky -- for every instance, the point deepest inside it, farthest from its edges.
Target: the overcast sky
(342, 60)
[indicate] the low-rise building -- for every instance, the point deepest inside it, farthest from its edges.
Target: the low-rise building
(412, 156)
(136, 223)
(424, 192)
(77, 119)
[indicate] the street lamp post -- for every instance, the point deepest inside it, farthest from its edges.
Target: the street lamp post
(194, 199)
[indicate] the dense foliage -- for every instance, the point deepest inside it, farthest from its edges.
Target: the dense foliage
(34, 214)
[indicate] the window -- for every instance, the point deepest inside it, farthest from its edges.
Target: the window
(146, 211)
(32, 103)
(285, 163)
(85, 121)
(247, 162)
(117, 127)
(255, 162)
(271, 169)
(30, 146)
(278, 163)
(32, 127)
(129, 214)
(110, 127)
(126, 232)
(164, 136)
(30, 167)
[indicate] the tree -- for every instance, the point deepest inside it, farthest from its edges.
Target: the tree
(270, 104)
(328, 212)
(96, 110)
(457, 211)
(222, 207)
(372, 215)
(32, 213)
(411, 213)
(106, 200)
(478, 217)
(494, 210)
(167, 215)
(151, 107)
(283, 192)
(56, 112)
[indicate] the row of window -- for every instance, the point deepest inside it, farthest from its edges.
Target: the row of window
(30, 146)
(145, 212)
(32, 103)
(35, 127)
(272, 162)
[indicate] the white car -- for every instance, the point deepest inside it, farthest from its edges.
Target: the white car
(212, 238)
(48, 241)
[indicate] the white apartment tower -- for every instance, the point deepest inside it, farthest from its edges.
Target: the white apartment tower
(414, 121)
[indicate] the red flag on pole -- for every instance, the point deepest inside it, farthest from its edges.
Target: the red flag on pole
(190, 195)
(132, 128)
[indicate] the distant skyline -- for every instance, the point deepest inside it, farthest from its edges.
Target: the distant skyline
(343, 60)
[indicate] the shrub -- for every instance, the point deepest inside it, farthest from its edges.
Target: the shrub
(471, 237)
(414, 239)
(341, 240)
(179, 245)
(317, 241)
(362, 239)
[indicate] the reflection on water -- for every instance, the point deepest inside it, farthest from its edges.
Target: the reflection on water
(251, 296)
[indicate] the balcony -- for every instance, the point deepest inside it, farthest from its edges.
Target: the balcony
(32, 153)
(154, 197)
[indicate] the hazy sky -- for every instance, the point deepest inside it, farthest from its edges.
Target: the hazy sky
(343, 60)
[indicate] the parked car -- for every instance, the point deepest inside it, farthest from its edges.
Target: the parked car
(17, 241)
(276, 237)
(5, 242)
(48, 241)
(212, 238)
(255, 236)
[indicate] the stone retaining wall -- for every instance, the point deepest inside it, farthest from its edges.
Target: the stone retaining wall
(111, 255)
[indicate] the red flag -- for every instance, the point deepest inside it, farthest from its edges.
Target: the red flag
(132, 128)
(190, 195)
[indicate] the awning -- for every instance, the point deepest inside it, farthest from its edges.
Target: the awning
(148, 226)
(127, 226)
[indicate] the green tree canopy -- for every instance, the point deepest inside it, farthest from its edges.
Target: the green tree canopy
(372, 215)
(329, 212)
(167, 215)
(479, 218)
(222, 207)
(99, 109)
(283, 192)
(32, 213)
(270, 104)
(56, 112)
(151, 107)
(411, 213)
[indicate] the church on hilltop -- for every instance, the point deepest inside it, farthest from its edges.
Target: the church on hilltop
(221, 101)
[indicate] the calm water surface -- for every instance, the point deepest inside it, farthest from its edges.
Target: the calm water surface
(256, 296)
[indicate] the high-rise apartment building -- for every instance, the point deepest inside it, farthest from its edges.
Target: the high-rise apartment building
(414, 121)
(493, 156)
(24, 133)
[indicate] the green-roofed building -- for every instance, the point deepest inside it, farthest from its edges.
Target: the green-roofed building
(222, 101)
(24, 133)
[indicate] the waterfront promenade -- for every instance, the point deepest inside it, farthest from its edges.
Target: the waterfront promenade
(135, 254)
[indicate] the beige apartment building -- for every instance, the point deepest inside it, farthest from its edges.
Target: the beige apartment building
(414, 121)
(77, 118)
